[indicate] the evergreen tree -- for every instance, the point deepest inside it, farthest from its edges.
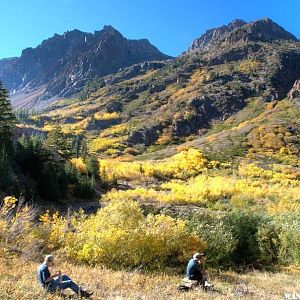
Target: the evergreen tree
(92, 165)
(76, 144)
(49, 183)
(71, 173)
(7, 121)
(84, 150)
(58, 141)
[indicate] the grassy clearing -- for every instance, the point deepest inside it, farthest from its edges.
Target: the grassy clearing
(17, 281)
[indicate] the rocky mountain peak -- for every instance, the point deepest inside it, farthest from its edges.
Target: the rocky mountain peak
(236, 23)
(264, 30)
(109, 28)
(212, 35)
(61, 65)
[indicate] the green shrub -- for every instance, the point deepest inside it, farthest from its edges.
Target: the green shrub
(268, 242)
(289, 236)
(219, 240)
(244, 227)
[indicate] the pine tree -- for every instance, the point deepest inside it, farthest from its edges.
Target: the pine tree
(58, 141)
(84, 150)
(7, 120)
(76, 146)
(92, 165)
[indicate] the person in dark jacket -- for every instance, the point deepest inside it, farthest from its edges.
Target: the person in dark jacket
(195, 270)
(57, 282)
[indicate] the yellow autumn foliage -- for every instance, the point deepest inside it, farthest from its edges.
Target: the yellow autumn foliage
(252, 183)
(15, 224)
(102, 144)
(117, 129)
(79, 164)
(119, 235)
(106, 116)
(185, 164)
(248, 66)
(52, 230)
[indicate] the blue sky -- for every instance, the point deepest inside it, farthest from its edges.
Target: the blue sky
(171, 25)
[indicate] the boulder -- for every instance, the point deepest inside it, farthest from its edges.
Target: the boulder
(295, 91)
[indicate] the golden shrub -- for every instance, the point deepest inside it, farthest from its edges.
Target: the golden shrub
(102, 144)
(117, 129)
(120, 236)
(248, 66)
(16, 224)
(184, 164)
(106, 116)
(276, 138)
(79, 164)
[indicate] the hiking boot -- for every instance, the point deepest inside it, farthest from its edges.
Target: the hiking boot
(207, 284)
(85, 294)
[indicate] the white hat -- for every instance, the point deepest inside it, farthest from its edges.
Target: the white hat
(198, 255)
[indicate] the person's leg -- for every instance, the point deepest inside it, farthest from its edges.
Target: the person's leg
(53, 286)
(69, 284)
(65, 277)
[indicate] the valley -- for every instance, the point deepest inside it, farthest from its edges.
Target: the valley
(165, 156)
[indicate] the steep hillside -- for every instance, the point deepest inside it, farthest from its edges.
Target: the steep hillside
(199, 153)
(161, 103)
(61, 65)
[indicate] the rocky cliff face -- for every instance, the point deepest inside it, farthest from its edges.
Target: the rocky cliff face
(159, 101)
(264, 30)
(295, 91)
(61, 65)
(213, 35)
(217, 77)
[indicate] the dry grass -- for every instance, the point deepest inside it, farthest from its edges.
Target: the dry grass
(18, 281)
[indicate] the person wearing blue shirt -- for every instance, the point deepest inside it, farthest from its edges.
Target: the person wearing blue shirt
(195, 270)
(56, 282)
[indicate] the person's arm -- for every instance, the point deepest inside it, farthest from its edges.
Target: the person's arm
(51, 277)
(202, 270)
(47, 278)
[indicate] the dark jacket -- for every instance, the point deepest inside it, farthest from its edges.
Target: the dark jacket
(194, 270)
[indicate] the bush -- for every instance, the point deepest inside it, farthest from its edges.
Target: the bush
(244, 238)
(289, 235)
(268, 242)
(219, 240)
(16, 225)
(121, 236)
(244, 228)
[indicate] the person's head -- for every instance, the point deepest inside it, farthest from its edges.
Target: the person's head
(198, 256)
(49, 260)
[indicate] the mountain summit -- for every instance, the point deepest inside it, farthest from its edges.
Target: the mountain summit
(60, 66)
(264, 30)
(225, 71)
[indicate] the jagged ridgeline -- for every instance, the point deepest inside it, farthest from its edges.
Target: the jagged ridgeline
(227, 70)
(194, 153)
(60, 66)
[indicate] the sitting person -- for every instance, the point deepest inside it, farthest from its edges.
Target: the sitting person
(57, 282)
(195, 270)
